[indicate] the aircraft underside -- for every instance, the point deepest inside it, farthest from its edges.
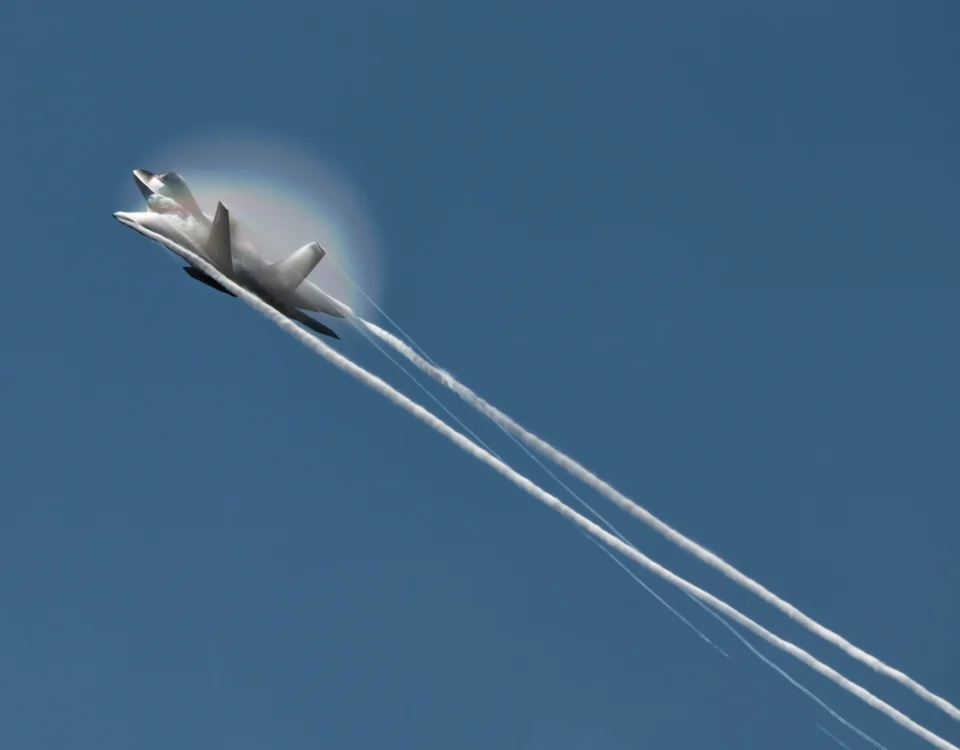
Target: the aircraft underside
(200, 276)
(291, 312)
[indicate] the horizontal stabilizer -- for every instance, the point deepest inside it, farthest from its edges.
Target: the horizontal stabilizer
(200, 276)
(290, 272)
(311, 297)
(219, 248)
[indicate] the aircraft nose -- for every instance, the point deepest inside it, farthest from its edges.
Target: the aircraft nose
(123, 217)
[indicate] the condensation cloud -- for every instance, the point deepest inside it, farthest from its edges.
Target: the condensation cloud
(285, 197)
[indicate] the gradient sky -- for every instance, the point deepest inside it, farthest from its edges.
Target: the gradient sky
(710, 249)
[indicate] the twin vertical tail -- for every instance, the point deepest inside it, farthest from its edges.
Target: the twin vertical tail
(219, 247)
(147, 183)
(169, 185)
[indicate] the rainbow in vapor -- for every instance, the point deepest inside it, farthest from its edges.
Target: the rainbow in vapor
(285, 199)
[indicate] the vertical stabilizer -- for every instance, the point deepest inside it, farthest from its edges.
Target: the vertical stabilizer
(218, 248)
(147, 183)
(174, 186)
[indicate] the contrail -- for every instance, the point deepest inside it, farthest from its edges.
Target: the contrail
(783, 673)
(468, 446)
(638, 579)
(360, 325)
(833, 737)
(606, 550)
(663, 528)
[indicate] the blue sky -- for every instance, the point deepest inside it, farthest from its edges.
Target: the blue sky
(708, 249)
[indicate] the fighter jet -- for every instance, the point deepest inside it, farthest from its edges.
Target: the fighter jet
(173, 219)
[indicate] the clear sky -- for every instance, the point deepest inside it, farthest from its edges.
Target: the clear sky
(710, 249)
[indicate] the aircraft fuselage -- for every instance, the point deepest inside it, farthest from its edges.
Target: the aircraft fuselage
(174, 220)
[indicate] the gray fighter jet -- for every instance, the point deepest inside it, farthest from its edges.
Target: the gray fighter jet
(174, 219)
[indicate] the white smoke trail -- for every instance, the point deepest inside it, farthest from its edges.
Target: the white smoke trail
(359, 323)
(635, 577)
(468, 446)
(783, 673)
(606, 550)
(667, 531)
(361, 326)
(617, 560)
